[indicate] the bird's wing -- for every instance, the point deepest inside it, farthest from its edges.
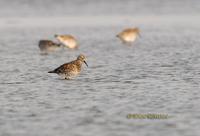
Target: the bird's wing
(67, 67)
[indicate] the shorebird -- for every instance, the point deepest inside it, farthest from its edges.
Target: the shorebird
(48, 46)
(71, 69)
(68, 41)
(129, 35)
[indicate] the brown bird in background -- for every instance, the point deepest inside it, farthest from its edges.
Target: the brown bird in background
(68, 41)
(129, 35)
(47, 46)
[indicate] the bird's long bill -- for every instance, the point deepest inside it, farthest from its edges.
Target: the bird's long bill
(85, 63)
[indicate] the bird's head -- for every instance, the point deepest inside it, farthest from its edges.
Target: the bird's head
(82, 58)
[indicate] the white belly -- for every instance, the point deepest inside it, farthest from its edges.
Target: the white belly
(131, 38)
(70, 44)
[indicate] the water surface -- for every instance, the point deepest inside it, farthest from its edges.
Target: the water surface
(158, 74)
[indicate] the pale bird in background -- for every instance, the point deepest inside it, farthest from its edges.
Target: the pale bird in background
(68, 41)
(47, 46)
(129, 35)
(71, 69)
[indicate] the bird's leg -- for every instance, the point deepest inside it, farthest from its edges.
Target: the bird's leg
(124, 42)
(130, 44)
(66, 77)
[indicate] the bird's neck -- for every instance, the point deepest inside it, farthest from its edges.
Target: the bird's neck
(79, 63)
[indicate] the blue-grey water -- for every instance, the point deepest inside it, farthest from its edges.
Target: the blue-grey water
(159, 74)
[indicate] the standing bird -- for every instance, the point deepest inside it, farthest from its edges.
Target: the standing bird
(129, 35)
(71, 69)
(68, 41)
(48, 46)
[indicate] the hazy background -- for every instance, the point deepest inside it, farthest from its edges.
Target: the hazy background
(12, 8)
(160, 74)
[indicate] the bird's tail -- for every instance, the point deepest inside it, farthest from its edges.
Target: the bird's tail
(52, 71)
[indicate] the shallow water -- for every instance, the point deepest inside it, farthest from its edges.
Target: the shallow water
(159, 74)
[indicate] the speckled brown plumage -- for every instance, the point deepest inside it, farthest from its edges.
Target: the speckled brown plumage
(71, 69)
